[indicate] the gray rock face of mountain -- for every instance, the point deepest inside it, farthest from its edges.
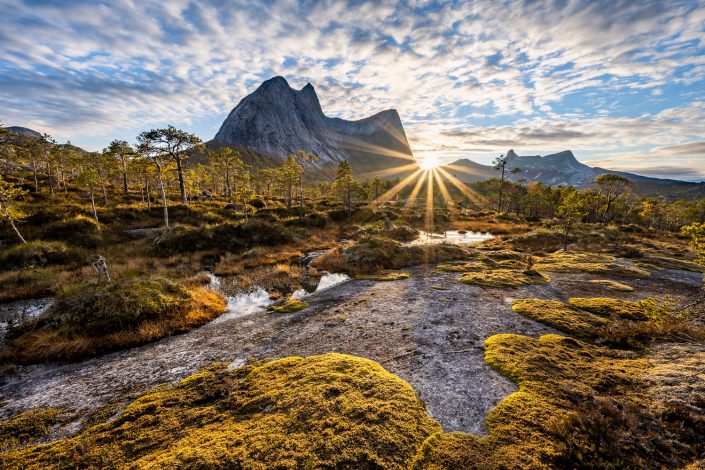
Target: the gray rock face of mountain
(276, 120)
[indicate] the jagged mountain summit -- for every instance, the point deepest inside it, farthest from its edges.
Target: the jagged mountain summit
(277, 120)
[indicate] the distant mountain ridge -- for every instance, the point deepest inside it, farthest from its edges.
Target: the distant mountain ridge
(563, 168)
(23, 130)
(276, 120)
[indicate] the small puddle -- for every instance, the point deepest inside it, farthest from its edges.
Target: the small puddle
(247, 303)
(453, 237)
(327, 281)
(242, 304)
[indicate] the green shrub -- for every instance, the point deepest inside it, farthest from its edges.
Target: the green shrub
(257, 203)
(223, 237)
(37, 253)
(313, 219)
(88, 319)
(79, 231)
(123, 305)
(541, 240)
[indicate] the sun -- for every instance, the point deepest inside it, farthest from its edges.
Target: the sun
(429, 162)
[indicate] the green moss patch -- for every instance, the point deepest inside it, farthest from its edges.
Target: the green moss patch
(371, 254)
(329, 411)
(38, 253)
(79, 231)
(613, 285)
(504, 278)
(89, 319)
(223, 237)
(462, 267)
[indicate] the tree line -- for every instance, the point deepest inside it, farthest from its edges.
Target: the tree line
(154, 169)
(610, 199)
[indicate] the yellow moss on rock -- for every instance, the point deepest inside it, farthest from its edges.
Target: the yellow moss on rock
(561, 316)
(288, 306)
(27, 427)
(552, 373)
(329, 411)
(504, 278)
(607, 307)
(384, 276)
(594, 263)
(613, 285)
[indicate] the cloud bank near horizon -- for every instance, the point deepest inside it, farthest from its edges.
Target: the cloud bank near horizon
(621, 83)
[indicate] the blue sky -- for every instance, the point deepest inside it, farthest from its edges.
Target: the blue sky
(621, 83)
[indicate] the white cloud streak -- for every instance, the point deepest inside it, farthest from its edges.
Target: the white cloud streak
(466, 77)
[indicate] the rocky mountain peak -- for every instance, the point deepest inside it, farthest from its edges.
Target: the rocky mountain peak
(276, 120)
(310, 98)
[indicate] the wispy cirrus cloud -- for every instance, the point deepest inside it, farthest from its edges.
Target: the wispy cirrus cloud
(470, 79)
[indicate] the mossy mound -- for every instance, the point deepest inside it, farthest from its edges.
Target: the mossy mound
(288, 306)
(567, 262)
(38, 253)
(608, 307)
(613, 322)
(463, 267)
(90, 319)
(504, 278)
(613, 285)
(79, 231)
(371, 254)
(26, 428)
(329, 411)
(539, 240)
(222, 237)
(384, 276)
(578, 406)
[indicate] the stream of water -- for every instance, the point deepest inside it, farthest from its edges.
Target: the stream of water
(256, 300)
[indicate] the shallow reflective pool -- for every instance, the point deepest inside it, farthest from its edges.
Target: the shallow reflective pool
(451, 236)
